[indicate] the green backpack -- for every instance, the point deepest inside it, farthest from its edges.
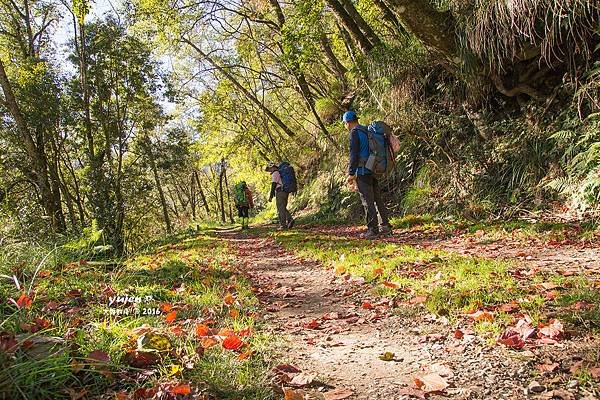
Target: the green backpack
(240, 195)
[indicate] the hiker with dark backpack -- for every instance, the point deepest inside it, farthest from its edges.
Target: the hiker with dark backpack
(283, 182)
(243, 202)
(370, 160)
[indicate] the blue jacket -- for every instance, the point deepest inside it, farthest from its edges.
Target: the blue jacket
(359, 151)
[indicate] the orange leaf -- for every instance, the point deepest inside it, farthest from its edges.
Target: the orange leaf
(170, 317)
(294, 394)
(208, 342)
(245, 332)
(165, 307)
(481, 316)
(340, 270)
(390, 284)
(202, 330)
(245, 354)
(232, 342)
(228, 299)
(367, 306)
(181, 389)
(226, 332)
(44, 273)
(233, 313)
(24, 301)
(378, 271)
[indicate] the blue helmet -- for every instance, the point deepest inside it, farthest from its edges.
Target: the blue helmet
(349, 116)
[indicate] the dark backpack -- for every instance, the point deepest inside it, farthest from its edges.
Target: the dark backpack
(240, 197)
(288, 177)
(381, 158)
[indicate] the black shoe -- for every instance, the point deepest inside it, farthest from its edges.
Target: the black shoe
(370, 234)
(385, 230)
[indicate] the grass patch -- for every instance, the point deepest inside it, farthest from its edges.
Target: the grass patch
(107, 308)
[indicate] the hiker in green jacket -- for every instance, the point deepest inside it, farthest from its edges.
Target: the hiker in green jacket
(243, 202)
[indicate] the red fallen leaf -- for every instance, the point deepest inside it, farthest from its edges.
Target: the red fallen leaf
(98, 355)
(458, 334)
(431, 383)
(170, 317)
(8, 344)
(226, 332)
(367, 306)
(511, 339)
(286, 368)
(418, 300)
(166, 307)
(290, 394)
(202, 330)
(232, 343)
(390, 284)
(314, 324)
(42, 323)
(552, 330)
(481, 316)
(208, 342)
(245, 354)
(245, 332)
(141, 359)
(27, 344)
(229, 299)
(178, 331)
(51, 306)
(24, 301)
(547, 368)
(509, 307)
(338, 394)
(181, 389)
(73, 293)
(83, 262)
(378, 271)
(143, 393)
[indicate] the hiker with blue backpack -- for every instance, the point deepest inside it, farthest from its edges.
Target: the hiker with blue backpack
(283, 182)
(370, 160)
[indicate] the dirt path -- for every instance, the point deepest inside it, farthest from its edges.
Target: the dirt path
(338, 334)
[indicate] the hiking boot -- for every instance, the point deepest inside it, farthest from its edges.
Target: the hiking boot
(370, 234)
(385, 230)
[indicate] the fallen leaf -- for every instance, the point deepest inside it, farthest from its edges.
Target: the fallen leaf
(552, 330)
(549, 285)
(100, 356)
(24, 301)
(232, 343)
(233, 313)
(290, 394)
(547, 368)
(141, 359)
(481, 316)
(302, 379)
(387, 356)
(314, 324)
(287, 368)
(338, 394)
(74, 293)
(458, 334)
(431, 383)
(166, 307)
(594, 372)
(202, 330)
(181, 389)
(170, 317)
(229, 299)
(418, 300)
(76, 394)
(367, 306)
(245, 354)
(208, 342)
(144, 393)
(390, 284)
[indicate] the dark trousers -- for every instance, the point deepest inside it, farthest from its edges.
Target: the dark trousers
(281, 200)
(370, 196)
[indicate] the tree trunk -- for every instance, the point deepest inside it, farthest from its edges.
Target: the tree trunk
(202, 196)
(338, 67)
(228, 194)
(364, 44)
(362, 24)
(435, 29)
(161, 194)
(389, 16)
(193, 196)
(37, 156)
(222, 199)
